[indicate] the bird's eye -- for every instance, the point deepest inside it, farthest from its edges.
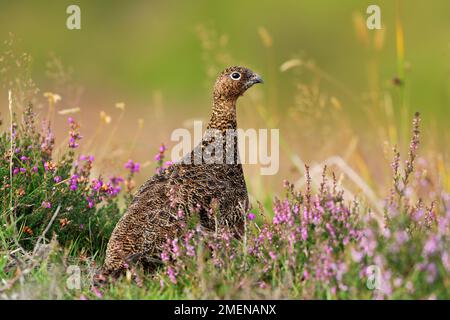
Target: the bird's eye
(235, 76)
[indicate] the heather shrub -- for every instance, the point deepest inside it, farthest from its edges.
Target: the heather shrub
(41, 191)
(410, 249)
(302, 246)
(317, 245)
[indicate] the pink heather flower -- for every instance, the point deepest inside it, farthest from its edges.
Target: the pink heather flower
(304, 233)
(158, 157)
(306, 274)
(165, 256)
(97, 292)
(46, 205)
(272, 255)
(172, 275)
(73, 133)
(175, 248)
(24, 159)
(431, 246)
(16, 171)
(251, 216)
(35, 169)
(418, 214)
(190, 250)
(23, 170)
(89, 158)
(57, 179)
(162, 148)
(356, 255)
(398, 282)
(401, 237)
(432, 272)
(446, 260)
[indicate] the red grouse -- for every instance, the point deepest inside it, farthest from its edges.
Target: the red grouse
(203, 177)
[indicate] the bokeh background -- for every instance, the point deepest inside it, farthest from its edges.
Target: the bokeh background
(338, 92)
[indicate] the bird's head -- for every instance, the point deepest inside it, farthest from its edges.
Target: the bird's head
(234, 81)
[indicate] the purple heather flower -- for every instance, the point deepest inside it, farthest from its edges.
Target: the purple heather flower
(57, 179)
(96, 184)
(73, 182)
(73, 143)
(16, 171)
(132, 166)
(116, 180)
(35, 169)
(251, 216)
(24, 158)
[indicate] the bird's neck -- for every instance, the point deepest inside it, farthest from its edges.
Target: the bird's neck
(223, 115)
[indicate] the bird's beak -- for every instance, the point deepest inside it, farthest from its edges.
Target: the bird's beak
(255, 78)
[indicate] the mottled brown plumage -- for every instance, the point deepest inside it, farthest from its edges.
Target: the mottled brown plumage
(152, 218)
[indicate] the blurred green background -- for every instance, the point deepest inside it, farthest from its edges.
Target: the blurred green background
(149, 53)
(136, 46)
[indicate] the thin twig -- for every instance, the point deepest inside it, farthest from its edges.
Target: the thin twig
(42, 236)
